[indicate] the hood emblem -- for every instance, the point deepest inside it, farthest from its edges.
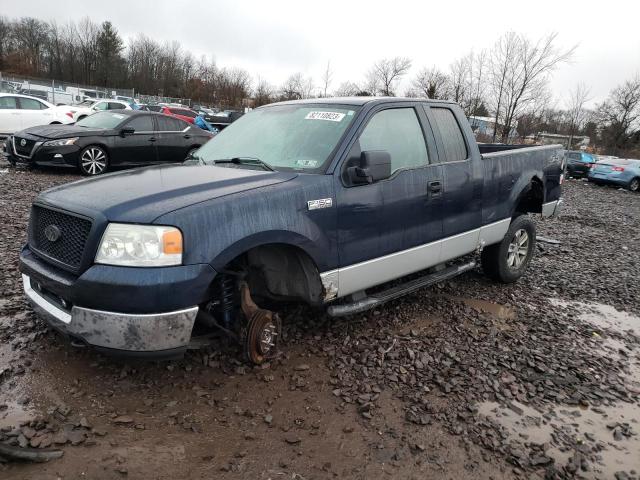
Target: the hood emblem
(23, 142)
(52, 233)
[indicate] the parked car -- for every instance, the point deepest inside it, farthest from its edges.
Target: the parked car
(22, 111)
(579, 163)
(182, 113)
(89, 107)
(107, 139)
(155, 108)
(617, 171)
(316, 201)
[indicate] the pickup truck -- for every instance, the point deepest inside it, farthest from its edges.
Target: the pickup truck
(314, 201)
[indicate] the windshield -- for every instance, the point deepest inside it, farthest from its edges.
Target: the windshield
(296, 137)
(106, 120)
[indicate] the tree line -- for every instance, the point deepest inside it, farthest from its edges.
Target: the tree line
(508, 82)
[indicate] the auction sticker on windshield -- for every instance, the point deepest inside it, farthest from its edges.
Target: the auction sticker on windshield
(330, 116)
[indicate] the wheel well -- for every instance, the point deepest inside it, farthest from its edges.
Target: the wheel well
(531, 198)
(54, 123)
(281, 272)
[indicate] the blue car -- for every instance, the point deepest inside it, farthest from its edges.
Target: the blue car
(620, 171)
(579, 163)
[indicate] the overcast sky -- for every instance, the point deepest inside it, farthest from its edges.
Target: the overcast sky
(274, 39)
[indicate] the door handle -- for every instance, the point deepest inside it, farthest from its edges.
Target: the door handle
(187, 136)
(152, 139)
(435, 188)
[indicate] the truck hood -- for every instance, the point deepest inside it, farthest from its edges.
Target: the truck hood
(63, 131)
(142, 195)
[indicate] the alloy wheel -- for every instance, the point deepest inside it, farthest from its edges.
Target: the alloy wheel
(93, 161)
(518, 249)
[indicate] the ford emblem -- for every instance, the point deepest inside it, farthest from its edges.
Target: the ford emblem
(23, 142)
(52, 233)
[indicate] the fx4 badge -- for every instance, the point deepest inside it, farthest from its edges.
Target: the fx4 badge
(320, 203)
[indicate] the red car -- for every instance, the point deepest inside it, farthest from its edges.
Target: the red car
(182, 113)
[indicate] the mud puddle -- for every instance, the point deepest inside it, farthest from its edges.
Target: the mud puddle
(501, 312)
(612, 429)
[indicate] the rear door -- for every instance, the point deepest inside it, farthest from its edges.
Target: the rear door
(462, 186)
(33, 112)
(172, 136)
(10, 119)
(138, 148)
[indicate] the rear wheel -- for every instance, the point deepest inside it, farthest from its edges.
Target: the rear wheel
(93, 161)
(508, 260)
(191, 152)
(634, 185)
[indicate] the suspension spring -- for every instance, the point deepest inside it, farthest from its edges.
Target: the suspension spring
(227, 299)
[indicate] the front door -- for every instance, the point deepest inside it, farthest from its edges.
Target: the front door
(390, 228)
(137, 148)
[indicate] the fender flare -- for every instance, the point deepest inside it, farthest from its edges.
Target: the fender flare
(283, 237)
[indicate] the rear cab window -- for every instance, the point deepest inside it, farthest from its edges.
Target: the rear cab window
(454, 144)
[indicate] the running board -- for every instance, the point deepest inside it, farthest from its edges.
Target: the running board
(392, 293)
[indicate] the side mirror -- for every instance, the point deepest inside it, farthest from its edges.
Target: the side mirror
(127, 131)
(375, 165)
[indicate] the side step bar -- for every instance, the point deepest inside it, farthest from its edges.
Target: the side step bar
(392, 293)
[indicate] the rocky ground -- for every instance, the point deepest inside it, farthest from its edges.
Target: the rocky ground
(468, 379)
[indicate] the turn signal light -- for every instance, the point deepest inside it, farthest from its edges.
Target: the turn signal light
(69, 114)
(172, 242)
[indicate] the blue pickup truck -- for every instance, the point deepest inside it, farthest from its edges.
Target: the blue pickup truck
(315, 201)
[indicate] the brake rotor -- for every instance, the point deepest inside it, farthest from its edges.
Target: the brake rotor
(261, 341)
(262, 330)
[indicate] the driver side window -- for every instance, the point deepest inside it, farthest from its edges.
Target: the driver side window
(398, 132)
(100, 106)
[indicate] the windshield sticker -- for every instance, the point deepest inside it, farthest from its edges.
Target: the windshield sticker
(307, 163)
(330, 116)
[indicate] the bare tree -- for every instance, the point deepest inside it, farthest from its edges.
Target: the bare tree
(385, 73)
(432, 83)
(327, 77)
(347, 89)
(263, 93)
(619, 115)
(523, 72)
(576, 111)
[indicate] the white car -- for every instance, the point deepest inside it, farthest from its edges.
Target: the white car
(18, 112)
(89, 107)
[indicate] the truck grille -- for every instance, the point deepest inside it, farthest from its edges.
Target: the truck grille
(24, 150)
(72, 233)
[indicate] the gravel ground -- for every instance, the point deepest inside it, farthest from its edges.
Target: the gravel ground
(468, 379)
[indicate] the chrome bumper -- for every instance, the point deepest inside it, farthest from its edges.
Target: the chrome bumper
(552, 209)
(129, 332)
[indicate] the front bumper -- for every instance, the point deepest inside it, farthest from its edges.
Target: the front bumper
(158, 335)
(64, 156)
(552, 209)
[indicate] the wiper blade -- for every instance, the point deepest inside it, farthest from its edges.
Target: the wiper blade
(245, 161)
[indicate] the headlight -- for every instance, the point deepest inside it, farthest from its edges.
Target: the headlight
(60, 143)
(140, 246)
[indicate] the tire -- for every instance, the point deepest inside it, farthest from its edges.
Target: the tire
(504, 262)
(634, 184)
(190, 152)
(93, 161)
